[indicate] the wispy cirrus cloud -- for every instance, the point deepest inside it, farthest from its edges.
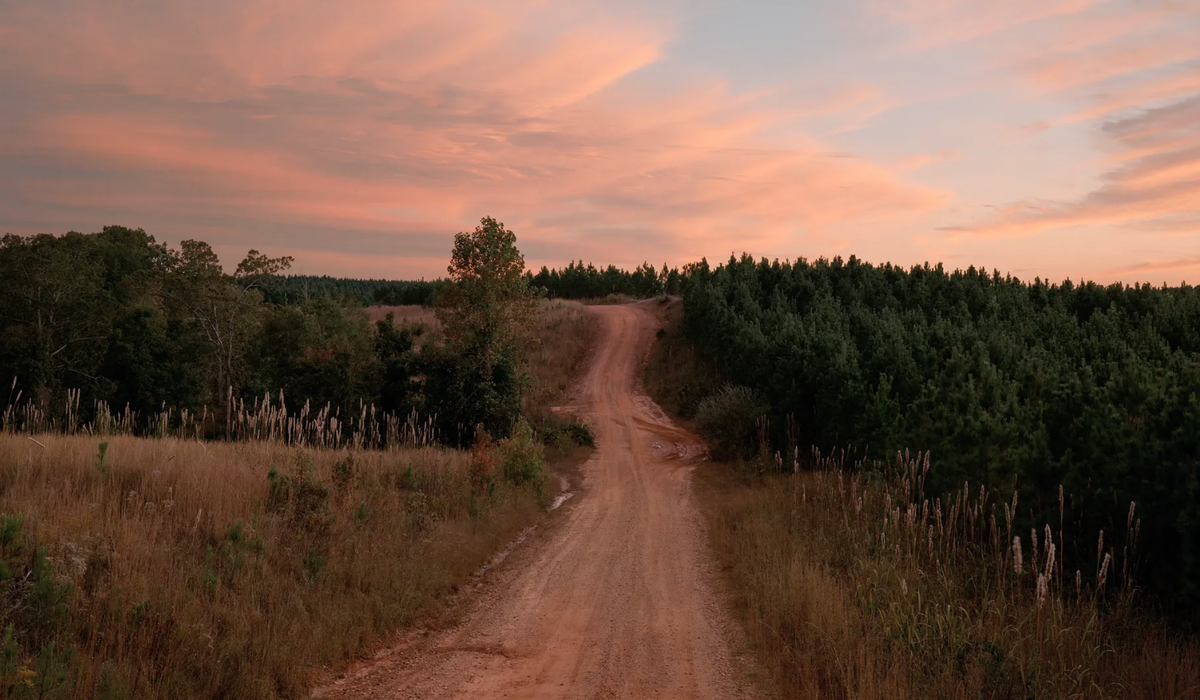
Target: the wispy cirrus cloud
(1129, 74)
(1191, 263)
(1153, 179)
(406, 118)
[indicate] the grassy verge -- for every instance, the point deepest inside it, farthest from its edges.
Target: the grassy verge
(676, 377)
(164, 568)
(852, 582)
(563, 338)
(848, 589)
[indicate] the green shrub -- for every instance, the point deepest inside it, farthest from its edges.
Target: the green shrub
(521, 456)
(563, 433)
(728, 420)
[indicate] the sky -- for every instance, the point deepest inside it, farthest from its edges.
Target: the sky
(1041, 138)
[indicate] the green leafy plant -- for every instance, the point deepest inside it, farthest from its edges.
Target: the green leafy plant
(101, 464)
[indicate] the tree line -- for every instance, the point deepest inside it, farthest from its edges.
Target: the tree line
(579, 281)
(293, 289)
(576, 280)
(1009, 385)
(117, 320)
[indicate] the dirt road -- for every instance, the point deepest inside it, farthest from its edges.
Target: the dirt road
(616, 599)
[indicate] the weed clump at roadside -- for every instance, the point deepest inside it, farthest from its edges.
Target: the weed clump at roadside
(564, 433)
(729, 420)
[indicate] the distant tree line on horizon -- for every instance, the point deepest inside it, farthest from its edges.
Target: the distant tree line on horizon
(580, 281)
(576, 280)
(299, 289)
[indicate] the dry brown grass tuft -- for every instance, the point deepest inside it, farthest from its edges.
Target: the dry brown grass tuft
(182, 569)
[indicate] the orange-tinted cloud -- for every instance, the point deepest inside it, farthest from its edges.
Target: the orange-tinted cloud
(1129, 74)
(1157, 180)
(1191, 263)
(372, 131)
(378, 129)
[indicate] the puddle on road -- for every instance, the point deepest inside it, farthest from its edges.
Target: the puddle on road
(564, 496)
(561, 499)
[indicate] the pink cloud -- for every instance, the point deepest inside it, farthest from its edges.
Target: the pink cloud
(1157, 182)
(1127, 73)
(399, 123)
(1158, 266)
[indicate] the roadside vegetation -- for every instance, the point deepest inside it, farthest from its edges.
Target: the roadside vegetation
(115, 329)
(170, 568)
(1008, 385)
(853, 582)
(249, 547)
(877, 577)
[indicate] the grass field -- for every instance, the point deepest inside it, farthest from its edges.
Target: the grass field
(169, 568)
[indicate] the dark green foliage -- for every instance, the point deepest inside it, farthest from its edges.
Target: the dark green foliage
(101, 452)
(579, 281)
(152, 360)
(521, 456)
(60, 297)
(313, 564)
(557, 431)
(318, 353)
(305, 289)
(399, 366)
(134, 328)
(343, 472)
(462, 392)
(279, 490)
(729, 420)
(1094, 388)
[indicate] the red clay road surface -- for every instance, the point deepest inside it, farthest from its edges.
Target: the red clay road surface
(615, 599)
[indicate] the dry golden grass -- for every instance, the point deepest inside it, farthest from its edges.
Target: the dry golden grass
(412, 314)
(562, 341)
(184, 569)
(850, 589)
